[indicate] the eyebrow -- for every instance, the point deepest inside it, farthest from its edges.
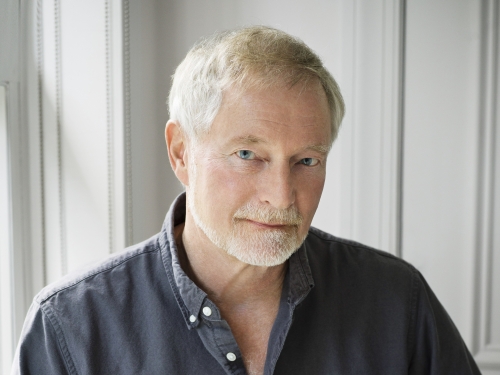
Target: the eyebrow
(322, 149)
(248, 139)
(252, 139)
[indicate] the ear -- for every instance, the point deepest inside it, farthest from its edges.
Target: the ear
(177, 150)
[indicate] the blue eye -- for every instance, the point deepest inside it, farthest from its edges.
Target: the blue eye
(310, 162)
(246, 154)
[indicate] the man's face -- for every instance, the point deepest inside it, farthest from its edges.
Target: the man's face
(256, 178)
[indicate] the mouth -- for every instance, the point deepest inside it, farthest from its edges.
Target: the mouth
(268, 225)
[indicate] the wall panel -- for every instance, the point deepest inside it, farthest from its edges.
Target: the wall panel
(441, 149)
(367, 159)
(83, 131)
(14, 205)
(487, 293)
(82, 138)
(51, 127)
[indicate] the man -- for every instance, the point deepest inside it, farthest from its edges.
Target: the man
(237, 281)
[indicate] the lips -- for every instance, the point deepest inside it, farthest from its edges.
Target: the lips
(268, 225)
(268, 217)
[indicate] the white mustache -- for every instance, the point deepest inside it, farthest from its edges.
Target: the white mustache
(266, 215)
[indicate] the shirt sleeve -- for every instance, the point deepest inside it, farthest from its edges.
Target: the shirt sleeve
(437, 345)
(41, 349)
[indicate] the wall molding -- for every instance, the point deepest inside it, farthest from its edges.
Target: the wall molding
(57, 223)
(120, 166)
(58, 105)
(371, 139)
(485, 351)
(129, 237)
(15, 206)
(39, 87)
(110, 125)
(51, 138)
(7, 289)
(392, 122)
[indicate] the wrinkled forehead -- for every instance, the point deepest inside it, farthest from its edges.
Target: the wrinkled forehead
(259, 89)
(256, 87)
(257, 112)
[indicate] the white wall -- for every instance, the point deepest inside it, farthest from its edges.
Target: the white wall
(450, 165)
(441, 148)
(415, 170)
(14, 210)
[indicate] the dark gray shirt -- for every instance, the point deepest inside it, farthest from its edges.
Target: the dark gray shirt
(345, 309)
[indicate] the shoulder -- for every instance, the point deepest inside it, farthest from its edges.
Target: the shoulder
(360, 279)
(331, 255)
(325, 244)
(91, 312)
(105, 275)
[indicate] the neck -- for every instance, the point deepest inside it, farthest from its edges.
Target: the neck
(247, 296)
(227, 281)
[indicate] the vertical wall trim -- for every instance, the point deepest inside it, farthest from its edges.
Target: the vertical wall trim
(352, 147)
(486, 354)
(128, 125)
(39, 63)
(383, 36)
(7, 316)
(495, 11)
(401, 129)
(62, 216)
(391, 124)
(109, 120)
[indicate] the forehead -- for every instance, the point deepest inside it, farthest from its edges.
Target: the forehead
(260, 113)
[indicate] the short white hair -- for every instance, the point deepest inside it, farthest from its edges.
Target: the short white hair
(257, 56)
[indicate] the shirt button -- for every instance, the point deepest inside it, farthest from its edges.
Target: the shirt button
(192, 318)
(231, 356)
(207, 311)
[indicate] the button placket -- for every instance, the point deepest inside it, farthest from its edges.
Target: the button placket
(218, 338)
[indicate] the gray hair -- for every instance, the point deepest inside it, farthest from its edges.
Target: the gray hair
(254, 56)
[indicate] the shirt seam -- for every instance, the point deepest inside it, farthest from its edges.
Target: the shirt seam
(214, 338)
(61, 341)
(304, 265)
(171, 279)
(304, 276)
(94, 274)
(365, 247)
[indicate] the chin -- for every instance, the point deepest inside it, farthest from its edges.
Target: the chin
(268, 249)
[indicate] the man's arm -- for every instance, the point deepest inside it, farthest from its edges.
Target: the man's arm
(41, 349)
(437, 345)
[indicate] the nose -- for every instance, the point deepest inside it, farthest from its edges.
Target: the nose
(277, 187)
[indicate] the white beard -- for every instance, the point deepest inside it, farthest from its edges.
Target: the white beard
(249, 244)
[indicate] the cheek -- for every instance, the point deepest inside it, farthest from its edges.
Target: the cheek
(308, 194)
(223, 190)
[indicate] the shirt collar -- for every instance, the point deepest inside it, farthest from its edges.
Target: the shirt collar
(301, 279)
(189, 297)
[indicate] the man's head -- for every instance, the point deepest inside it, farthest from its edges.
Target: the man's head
(253, 116)
(259, 57)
